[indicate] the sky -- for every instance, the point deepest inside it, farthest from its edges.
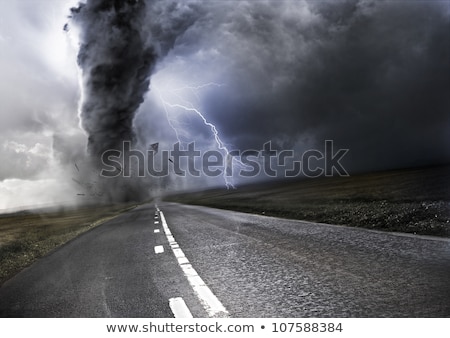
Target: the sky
(370, 75)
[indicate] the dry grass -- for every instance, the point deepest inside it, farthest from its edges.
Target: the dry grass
(413, 200)
(27, 236)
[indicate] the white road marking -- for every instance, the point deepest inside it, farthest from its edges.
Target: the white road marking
(183, 260)
(156, 222)
(156, 231)
(210, 302)
(159, 249)
(179, 308)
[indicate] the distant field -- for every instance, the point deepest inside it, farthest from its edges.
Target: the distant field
(413, 200)
(26, 236)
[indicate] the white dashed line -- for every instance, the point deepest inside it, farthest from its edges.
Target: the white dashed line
(156, 231)
(159, 249)
(156, 222)
(210, 302)
(179, 308)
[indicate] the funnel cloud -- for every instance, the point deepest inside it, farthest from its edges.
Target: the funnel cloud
(120, 43)
(116, 64)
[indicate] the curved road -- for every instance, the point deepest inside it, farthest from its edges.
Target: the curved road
(242, 265)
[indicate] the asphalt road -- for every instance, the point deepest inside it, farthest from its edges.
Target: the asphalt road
(223, 263)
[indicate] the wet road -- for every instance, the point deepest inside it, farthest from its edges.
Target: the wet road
(224, 263)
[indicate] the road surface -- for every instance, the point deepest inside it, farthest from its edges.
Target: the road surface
(191, 260)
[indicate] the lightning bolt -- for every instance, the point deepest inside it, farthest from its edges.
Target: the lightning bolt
(189, 107)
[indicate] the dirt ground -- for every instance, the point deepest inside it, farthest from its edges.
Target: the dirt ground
(28, 235)
(412, 200)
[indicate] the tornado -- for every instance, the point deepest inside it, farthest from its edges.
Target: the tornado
(116, 62)
(120, 42)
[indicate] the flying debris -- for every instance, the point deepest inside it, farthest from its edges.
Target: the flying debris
(90, 187)
(154, 147)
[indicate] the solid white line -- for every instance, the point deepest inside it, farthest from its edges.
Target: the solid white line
(179, 308)
(159, 249)
(156, 231)
(210, 302)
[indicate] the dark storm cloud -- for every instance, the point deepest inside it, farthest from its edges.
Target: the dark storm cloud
(379, 86)
(371, 75)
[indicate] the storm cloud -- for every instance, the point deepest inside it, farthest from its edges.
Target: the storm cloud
(38, 103)
(370, 75)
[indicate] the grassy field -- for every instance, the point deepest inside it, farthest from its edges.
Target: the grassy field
(28, 235)
(413, 200)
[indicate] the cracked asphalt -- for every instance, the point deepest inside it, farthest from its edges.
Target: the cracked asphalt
(257, 266)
